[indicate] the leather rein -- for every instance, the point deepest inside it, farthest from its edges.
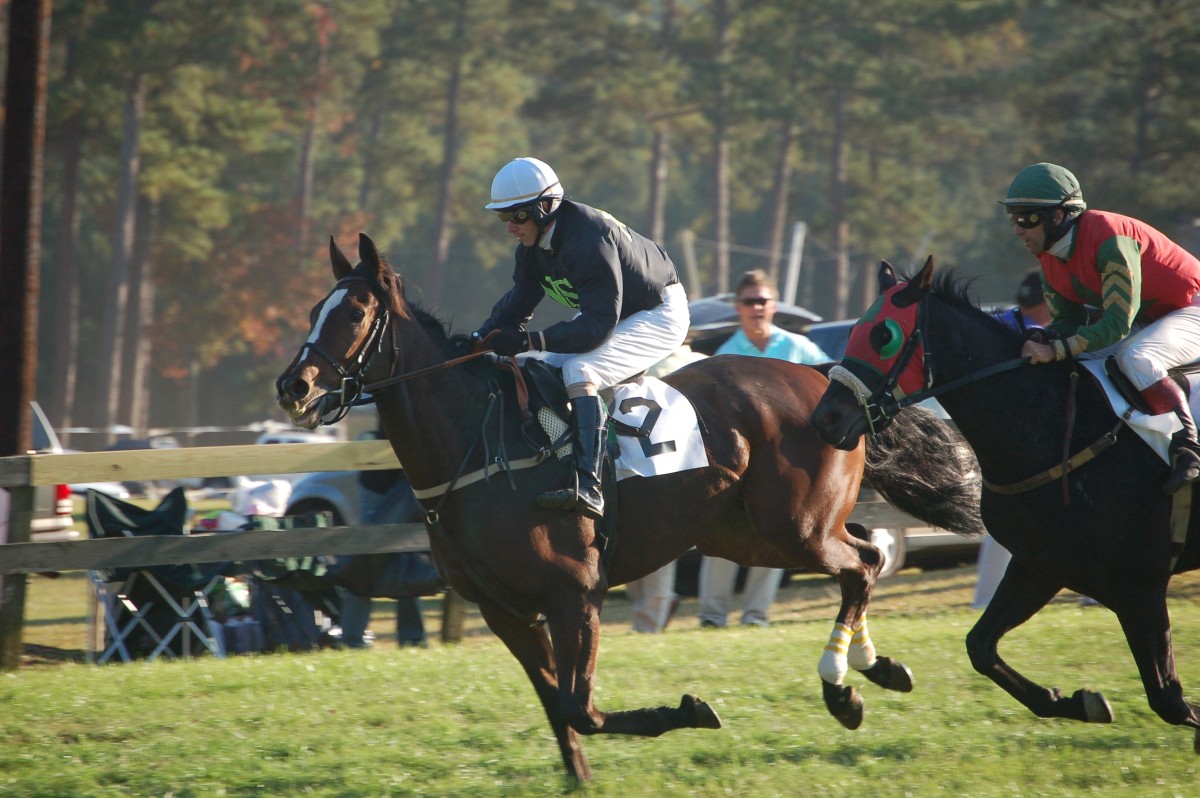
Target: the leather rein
(884, 403)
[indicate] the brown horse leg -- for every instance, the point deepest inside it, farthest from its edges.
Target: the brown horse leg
(576, 635)
(531, 646)
(1018, 597)
(855, 565)
(1143, 616)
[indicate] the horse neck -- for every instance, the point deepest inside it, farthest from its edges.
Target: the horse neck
(431, 419)
(1007, 414)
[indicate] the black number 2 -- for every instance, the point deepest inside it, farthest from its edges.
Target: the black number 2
(653, 411)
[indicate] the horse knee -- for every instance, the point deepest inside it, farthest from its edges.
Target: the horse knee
(981, 652)
(1169, 704)
(579, 719)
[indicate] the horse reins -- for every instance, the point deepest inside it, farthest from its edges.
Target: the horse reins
(888, 410)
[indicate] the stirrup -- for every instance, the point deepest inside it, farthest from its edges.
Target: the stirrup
(1185, 469)
(1182, 478)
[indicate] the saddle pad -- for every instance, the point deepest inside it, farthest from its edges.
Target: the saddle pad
(1154, 430)
(674, 442)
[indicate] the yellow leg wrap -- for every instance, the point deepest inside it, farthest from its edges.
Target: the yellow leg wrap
(862, 651)
(832, 666)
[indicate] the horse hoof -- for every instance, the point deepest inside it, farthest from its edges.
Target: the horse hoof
(844, 703)
(699, 714)
(1096, 708)
(890, 674)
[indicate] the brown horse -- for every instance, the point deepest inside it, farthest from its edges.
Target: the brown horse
(772, 495)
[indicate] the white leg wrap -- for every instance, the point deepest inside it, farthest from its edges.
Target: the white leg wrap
(862, 650)
(832, 666)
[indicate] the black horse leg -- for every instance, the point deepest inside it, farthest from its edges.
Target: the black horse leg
(1143, 616)
(575, 631)
(531, 646)
(1018, 597)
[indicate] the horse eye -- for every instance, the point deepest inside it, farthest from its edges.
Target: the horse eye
(887, 338)
(357, 315)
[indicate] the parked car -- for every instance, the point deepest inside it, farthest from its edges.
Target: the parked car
(53, 505)
(338, 492)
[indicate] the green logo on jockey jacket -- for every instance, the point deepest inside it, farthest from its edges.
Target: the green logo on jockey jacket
(561, 291)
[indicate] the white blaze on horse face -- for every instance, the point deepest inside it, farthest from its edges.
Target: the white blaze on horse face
(334, 300)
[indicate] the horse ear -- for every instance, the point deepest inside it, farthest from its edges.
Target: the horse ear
(370, 255)
(887, 276)
(341, 266)
(924, 278)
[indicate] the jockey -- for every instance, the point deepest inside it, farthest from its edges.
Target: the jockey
(1134, 274)
(633, 311)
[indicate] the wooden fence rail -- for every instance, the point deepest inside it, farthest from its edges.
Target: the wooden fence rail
(20, 475)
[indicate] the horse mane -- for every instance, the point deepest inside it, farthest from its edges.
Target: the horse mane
(955, 290)
(393, 289)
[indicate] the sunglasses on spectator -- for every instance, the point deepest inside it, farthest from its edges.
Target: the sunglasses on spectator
(754, 301)
(1026, 221)
(518, 216)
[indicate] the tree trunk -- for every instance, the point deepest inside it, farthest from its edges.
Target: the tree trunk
(779, 196)
(837, 301)
(308, 145)
(141, 317)
(368, 183)
(660, 165)
(443, 228)
(721, 148)
(660, 147)
(113, 323)
(60, 398)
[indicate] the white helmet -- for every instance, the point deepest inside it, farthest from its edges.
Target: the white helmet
(522, 181)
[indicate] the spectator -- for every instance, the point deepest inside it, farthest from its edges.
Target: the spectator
(758, 337)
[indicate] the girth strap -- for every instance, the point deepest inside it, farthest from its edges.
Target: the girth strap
(1062, 469)
(483, 473)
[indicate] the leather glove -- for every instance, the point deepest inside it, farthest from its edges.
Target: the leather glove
(508, 341)
(1042, 336)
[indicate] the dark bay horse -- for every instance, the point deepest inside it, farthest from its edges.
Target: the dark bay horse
(1104, 530)
(772, 495)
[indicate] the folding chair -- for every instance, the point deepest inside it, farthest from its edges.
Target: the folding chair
(155, 610)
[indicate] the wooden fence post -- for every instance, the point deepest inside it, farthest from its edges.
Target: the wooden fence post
(454, 612)
(12, 586)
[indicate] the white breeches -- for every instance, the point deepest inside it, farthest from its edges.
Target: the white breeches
(638, 342)
(1173, 340)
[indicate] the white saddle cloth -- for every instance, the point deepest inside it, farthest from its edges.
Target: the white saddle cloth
(674, 442)
(1154, 430)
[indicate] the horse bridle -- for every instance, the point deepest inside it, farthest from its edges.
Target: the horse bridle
(882, 404)
(351, 388)
(351, 391)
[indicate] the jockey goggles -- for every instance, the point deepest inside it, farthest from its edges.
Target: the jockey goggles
(517, 216)
(1027, 220)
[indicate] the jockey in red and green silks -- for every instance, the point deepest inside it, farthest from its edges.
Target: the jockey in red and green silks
(1134, 274)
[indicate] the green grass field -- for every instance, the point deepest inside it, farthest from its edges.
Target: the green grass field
(462, 720)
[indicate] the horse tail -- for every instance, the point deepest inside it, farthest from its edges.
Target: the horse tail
(922, 466)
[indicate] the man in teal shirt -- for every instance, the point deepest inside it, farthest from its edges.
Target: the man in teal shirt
(758, 337)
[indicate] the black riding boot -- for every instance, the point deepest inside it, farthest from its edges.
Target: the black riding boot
(586, 497)
(1185, 447)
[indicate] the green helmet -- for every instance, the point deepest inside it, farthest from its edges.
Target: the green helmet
(1044, 185)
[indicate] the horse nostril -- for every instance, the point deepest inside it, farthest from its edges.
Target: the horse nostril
(291, 389)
